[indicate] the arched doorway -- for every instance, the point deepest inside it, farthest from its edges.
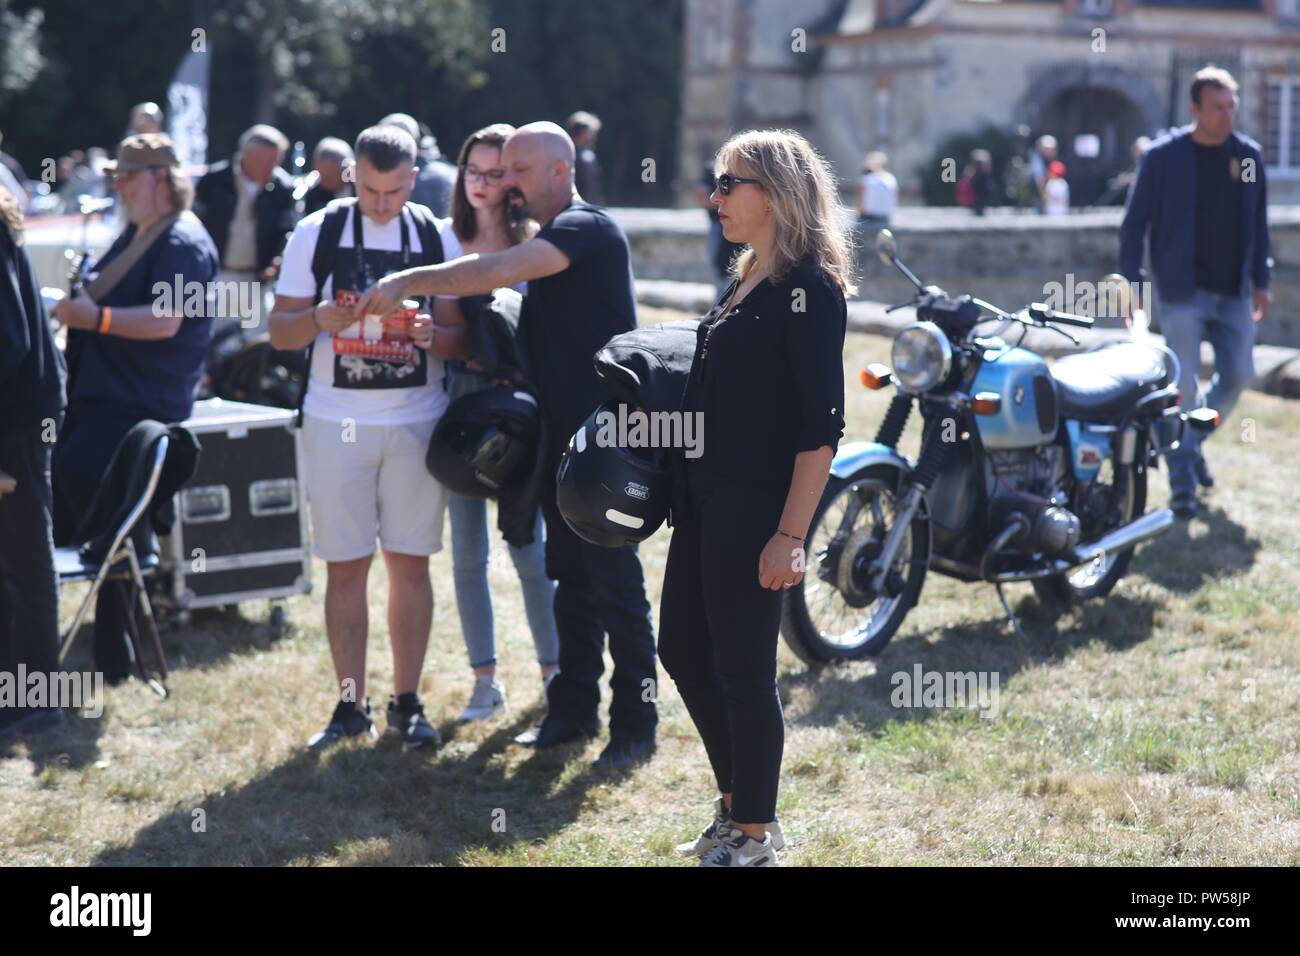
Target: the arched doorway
(1110, 116)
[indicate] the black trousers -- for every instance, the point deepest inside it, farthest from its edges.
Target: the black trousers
(718, 629)
(90, 435)
(29, 588)
(599, 591)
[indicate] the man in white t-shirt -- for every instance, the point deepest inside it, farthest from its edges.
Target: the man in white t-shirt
(374, 394)
(877, 192)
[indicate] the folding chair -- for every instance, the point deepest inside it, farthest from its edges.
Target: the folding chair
(121, 564)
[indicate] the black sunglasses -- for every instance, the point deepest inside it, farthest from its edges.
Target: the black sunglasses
(724, 182)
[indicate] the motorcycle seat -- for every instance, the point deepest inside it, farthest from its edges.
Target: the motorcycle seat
(1103, 384)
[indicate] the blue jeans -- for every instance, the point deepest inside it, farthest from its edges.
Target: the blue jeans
(470, 546)
(1227, 323)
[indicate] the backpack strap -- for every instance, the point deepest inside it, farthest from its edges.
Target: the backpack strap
(322, 264)
(426, 225)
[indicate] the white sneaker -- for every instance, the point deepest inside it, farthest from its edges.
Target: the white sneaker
(710, 838)
(487, 700)
(736, 849)
(707, 840)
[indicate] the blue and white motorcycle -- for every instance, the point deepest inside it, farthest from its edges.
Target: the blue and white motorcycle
(1025, 473)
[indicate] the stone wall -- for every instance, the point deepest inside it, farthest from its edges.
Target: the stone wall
(1005, 258)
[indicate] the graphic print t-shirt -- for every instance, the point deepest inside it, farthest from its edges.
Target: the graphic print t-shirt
(350, 386)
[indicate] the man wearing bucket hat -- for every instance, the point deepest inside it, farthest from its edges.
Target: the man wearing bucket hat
(136, 343)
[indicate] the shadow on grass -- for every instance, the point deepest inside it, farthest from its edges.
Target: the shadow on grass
(71, 746)
(417, 808)
(991, 646)
(211, 636)
(214, 634)
(1181, 563)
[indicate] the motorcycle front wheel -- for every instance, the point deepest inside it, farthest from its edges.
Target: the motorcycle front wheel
(832, 615)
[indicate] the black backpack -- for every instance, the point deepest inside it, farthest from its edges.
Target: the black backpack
(327, 244)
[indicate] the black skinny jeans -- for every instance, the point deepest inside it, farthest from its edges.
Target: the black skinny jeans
(718, 630)
(29, 589)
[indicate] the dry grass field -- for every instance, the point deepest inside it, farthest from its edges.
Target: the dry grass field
(1157, 727)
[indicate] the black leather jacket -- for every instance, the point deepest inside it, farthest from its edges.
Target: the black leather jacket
(214, 203)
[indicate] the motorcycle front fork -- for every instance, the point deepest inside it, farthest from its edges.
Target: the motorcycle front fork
(907, 510)
(935, 453)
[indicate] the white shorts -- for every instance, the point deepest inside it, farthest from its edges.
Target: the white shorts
(368, 481)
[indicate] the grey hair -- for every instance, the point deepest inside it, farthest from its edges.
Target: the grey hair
(264, 134)
(331, 147)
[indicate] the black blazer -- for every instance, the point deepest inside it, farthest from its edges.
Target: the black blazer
(214, 203)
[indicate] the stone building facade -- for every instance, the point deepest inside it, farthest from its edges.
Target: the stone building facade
(904, 75)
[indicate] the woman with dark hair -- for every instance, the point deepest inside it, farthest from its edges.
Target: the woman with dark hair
(767, 382)
(482, 222)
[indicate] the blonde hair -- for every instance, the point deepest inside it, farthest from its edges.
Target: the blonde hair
(810, 221)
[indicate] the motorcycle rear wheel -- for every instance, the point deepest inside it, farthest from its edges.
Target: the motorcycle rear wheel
(817, 622)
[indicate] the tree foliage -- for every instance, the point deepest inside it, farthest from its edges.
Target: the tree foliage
(70, 71)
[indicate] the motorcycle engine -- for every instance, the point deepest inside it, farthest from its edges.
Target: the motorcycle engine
(1026, 489)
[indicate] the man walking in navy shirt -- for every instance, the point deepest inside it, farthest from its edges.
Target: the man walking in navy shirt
(1200, 191)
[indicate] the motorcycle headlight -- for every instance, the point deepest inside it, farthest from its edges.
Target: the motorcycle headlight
(922, 357)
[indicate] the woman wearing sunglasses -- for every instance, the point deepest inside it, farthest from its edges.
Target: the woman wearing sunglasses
(768, 380)
(481, 222)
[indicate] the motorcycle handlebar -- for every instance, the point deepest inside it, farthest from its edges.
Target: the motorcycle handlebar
(1041, 313)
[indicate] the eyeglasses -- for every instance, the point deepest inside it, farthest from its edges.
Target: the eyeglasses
(122, 175)
(724, 182)
(483, 175)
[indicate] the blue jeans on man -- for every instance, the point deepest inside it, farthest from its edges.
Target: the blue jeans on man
(1227, 324)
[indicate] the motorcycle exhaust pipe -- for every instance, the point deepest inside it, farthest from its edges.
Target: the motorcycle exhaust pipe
(1124, 537)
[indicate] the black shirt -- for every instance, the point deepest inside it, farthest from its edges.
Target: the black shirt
(31, 367)
(156, 376)
(318, 197)
(1216, 262)
(768, 377)
(569, 316)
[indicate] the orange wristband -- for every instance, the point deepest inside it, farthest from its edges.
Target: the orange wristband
(105, 319)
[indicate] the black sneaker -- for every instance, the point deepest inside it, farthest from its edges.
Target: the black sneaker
(557, 730)
(1184, 505)
(622, 753)
(348, 720)
(406, 719)
(1204, 477)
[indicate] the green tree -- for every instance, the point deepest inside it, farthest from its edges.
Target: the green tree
(939, 191)
(333, 67)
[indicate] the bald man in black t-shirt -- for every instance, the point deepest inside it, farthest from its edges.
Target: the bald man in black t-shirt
(579, 275)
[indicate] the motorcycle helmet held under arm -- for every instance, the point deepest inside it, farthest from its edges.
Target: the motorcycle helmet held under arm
(486, 442)
(610, 494)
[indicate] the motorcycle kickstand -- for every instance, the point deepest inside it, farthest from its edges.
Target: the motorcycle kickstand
(1011, 615)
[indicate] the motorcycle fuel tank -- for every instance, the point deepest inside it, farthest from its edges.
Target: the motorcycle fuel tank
(1028, 414)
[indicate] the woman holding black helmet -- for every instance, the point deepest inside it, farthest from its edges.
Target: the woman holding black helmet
(482, 222)
(767, 380)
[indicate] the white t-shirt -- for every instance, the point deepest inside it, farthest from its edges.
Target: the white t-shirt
(879, 193)
(365, 406)
(1056, 197)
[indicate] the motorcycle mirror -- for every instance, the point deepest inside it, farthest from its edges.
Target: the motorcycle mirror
(886, 247)
(1113, 290)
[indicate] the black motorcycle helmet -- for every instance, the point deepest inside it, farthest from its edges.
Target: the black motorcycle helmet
(486, 442)
(610, 495)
